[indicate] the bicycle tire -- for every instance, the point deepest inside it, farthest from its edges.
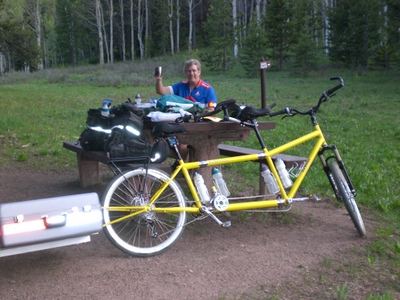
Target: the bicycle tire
(343, 191)
(149, 233)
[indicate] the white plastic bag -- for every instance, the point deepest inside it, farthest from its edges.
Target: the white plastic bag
(158, 116)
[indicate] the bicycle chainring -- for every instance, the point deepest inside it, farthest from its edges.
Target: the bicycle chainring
(220, 202)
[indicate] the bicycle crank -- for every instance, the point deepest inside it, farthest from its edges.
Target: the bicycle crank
(226, 224)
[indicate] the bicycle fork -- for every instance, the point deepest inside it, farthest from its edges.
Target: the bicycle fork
(342, 167)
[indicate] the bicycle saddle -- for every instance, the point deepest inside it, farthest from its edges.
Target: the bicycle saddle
(167, 129)
(250, 113)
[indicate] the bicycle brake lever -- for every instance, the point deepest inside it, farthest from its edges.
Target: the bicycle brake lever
(289, 114)
(184, 119)
(271, 106)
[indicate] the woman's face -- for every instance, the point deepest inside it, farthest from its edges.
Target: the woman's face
(193, 74)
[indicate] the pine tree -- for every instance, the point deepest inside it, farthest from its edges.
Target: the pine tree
(305, 48)
(254, 49)
(355, 32)
(280, 29)
(220, 36)
(17, 40)
(389, 51)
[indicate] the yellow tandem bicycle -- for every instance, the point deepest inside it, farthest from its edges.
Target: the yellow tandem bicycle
(145, 210)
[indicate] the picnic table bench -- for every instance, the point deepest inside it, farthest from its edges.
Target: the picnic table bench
(89, 163)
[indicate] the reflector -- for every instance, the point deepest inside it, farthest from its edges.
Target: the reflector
(29, 226)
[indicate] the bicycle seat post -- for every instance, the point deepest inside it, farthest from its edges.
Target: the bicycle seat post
(173, 142)
(258, 134)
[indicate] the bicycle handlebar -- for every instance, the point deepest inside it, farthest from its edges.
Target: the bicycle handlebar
(290, 111)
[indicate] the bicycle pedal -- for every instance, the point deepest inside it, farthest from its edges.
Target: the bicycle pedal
(315, 198)
(208, 211)
(226, 224)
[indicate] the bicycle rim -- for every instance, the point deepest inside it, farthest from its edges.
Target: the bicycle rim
(347, 198)
(148, 233)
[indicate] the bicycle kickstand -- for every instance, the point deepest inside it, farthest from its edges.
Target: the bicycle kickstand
(226, 224)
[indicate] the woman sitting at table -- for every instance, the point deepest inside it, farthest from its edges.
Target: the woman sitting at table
(193, 89)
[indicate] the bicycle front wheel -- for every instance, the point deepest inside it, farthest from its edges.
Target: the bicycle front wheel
(129, 223)
(345, 196)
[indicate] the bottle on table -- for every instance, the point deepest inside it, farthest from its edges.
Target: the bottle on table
(138, 99)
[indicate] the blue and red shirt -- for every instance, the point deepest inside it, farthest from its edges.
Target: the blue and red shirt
(203, 93)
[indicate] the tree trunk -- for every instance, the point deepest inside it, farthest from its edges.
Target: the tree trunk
(190, 8)
(104, 33)
(171, 31)
(140, 29)
(244, 21)
(146, 35)
(99, 32)
(132, 33)
(178, 19)
(258, 13)
(234, 17)
(325, 33)
(38, 32)
(121, 4)
(111, 31)
(1, 63)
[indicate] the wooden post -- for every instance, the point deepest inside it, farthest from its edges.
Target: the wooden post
(89, 171)
(263, 65)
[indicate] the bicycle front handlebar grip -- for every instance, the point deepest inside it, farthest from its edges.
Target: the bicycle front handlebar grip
(285, 111)
(334, 89)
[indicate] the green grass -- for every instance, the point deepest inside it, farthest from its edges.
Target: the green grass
(43, 109)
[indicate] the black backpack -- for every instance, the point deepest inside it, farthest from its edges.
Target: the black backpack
(98, 129)
(123, 143)
(96, 119)
(92, 140)
(125, 107)
(127, 127)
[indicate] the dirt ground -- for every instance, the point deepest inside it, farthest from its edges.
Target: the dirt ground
(296, 255)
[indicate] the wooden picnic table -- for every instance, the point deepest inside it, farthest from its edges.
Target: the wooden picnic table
(204, 138)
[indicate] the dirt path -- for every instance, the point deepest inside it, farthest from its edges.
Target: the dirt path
(259, 257)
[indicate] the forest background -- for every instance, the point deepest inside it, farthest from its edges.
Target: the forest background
(297, 34)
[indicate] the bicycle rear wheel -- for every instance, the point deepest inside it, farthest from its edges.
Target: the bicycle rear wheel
(147, 233)
(343, 194)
